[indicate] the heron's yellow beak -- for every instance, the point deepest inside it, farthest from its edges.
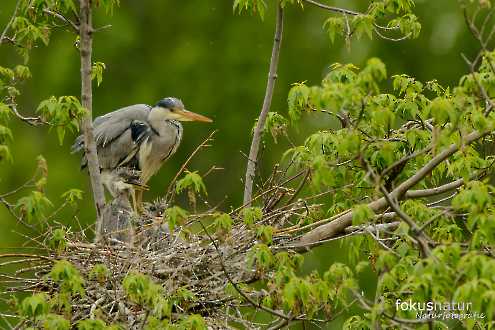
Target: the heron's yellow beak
(185, 115)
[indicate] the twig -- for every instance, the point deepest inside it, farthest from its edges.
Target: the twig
(94, 306)
(300, 187)
(62, 18)
(484, 93)
(104, 27)
(33, 121)
(429, 222)
(344, 120)
(9, 24)
(332, 8)
(10, 208)
(27, 184)
(381, 35)
(203, 144)
(272, 77)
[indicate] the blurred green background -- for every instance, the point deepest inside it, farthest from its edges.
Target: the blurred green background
(217, 63)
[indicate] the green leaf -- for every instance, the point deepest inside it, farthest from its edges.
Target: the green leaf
(363, 24)
(284, 3)
(5, 154)
(35, 306)
(261, 256)
(194, 322)
(64, 113)
(408, 25)
(58, 240)
(55, 322)
(67, 6)
(361, 214)
(72, 195)
(334, 26)
(100, 273)
(69, 278)
(265, 233)
(7, 73)
(377, 68)
(255, 7)
(5, 112)
(5, 133)
(141, 290)
(97, 72)
(33, 206)
(91, 325)
(223, 223)
(175, 216)
(22, 72)
(108, 5)
(251, 215)
(298, 100)
(276, 125)
(442, 110)
(193, 181)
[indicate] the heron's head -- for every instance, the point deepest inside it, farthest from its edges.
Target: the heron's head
(172, 108)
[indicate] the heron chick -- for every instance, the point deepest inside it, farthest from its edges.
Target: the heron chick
(138, 137)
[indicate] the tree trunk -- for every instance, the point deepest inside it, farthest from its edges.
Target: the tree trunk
(86, 46)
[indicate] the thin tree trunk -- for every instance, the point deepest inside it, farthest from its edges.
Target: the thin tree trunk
(86, 47)
(272, 77)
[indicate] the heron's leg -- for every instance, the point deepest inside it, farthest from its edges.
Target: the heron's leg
(134, 202)
(139, 201)
(108, 179)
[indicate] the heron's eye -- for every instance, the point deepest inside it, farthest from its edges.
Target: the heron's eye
(172, 110)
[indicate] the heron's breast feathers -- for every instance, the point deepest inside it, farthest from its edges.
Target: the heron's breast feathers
(157, 148)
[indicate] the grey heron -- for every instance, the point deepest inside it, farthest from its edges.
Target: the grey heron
(138, 137)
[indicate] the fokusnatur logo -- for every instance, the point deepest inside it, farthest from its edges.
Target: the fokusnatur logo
(439, 310)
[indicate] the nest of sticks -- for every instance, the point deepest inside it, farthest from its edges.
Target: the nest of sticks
(202, 262)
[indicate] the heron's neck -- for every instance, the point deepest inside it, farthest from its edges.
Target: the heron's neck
(157, 120)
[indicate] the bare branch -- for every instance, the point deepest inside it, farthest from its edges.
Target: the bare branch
(62, 18)
(33, 121)
(272, 77)
(332, 8)
(435, 191)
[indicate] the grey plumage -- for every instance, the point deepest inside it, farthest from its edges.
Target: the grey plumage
(138, 137)
(113, 136)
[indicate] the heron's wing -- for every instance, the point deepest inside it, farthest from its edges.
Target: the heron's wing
(111, 125)
(122, 150)
(118, 135)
